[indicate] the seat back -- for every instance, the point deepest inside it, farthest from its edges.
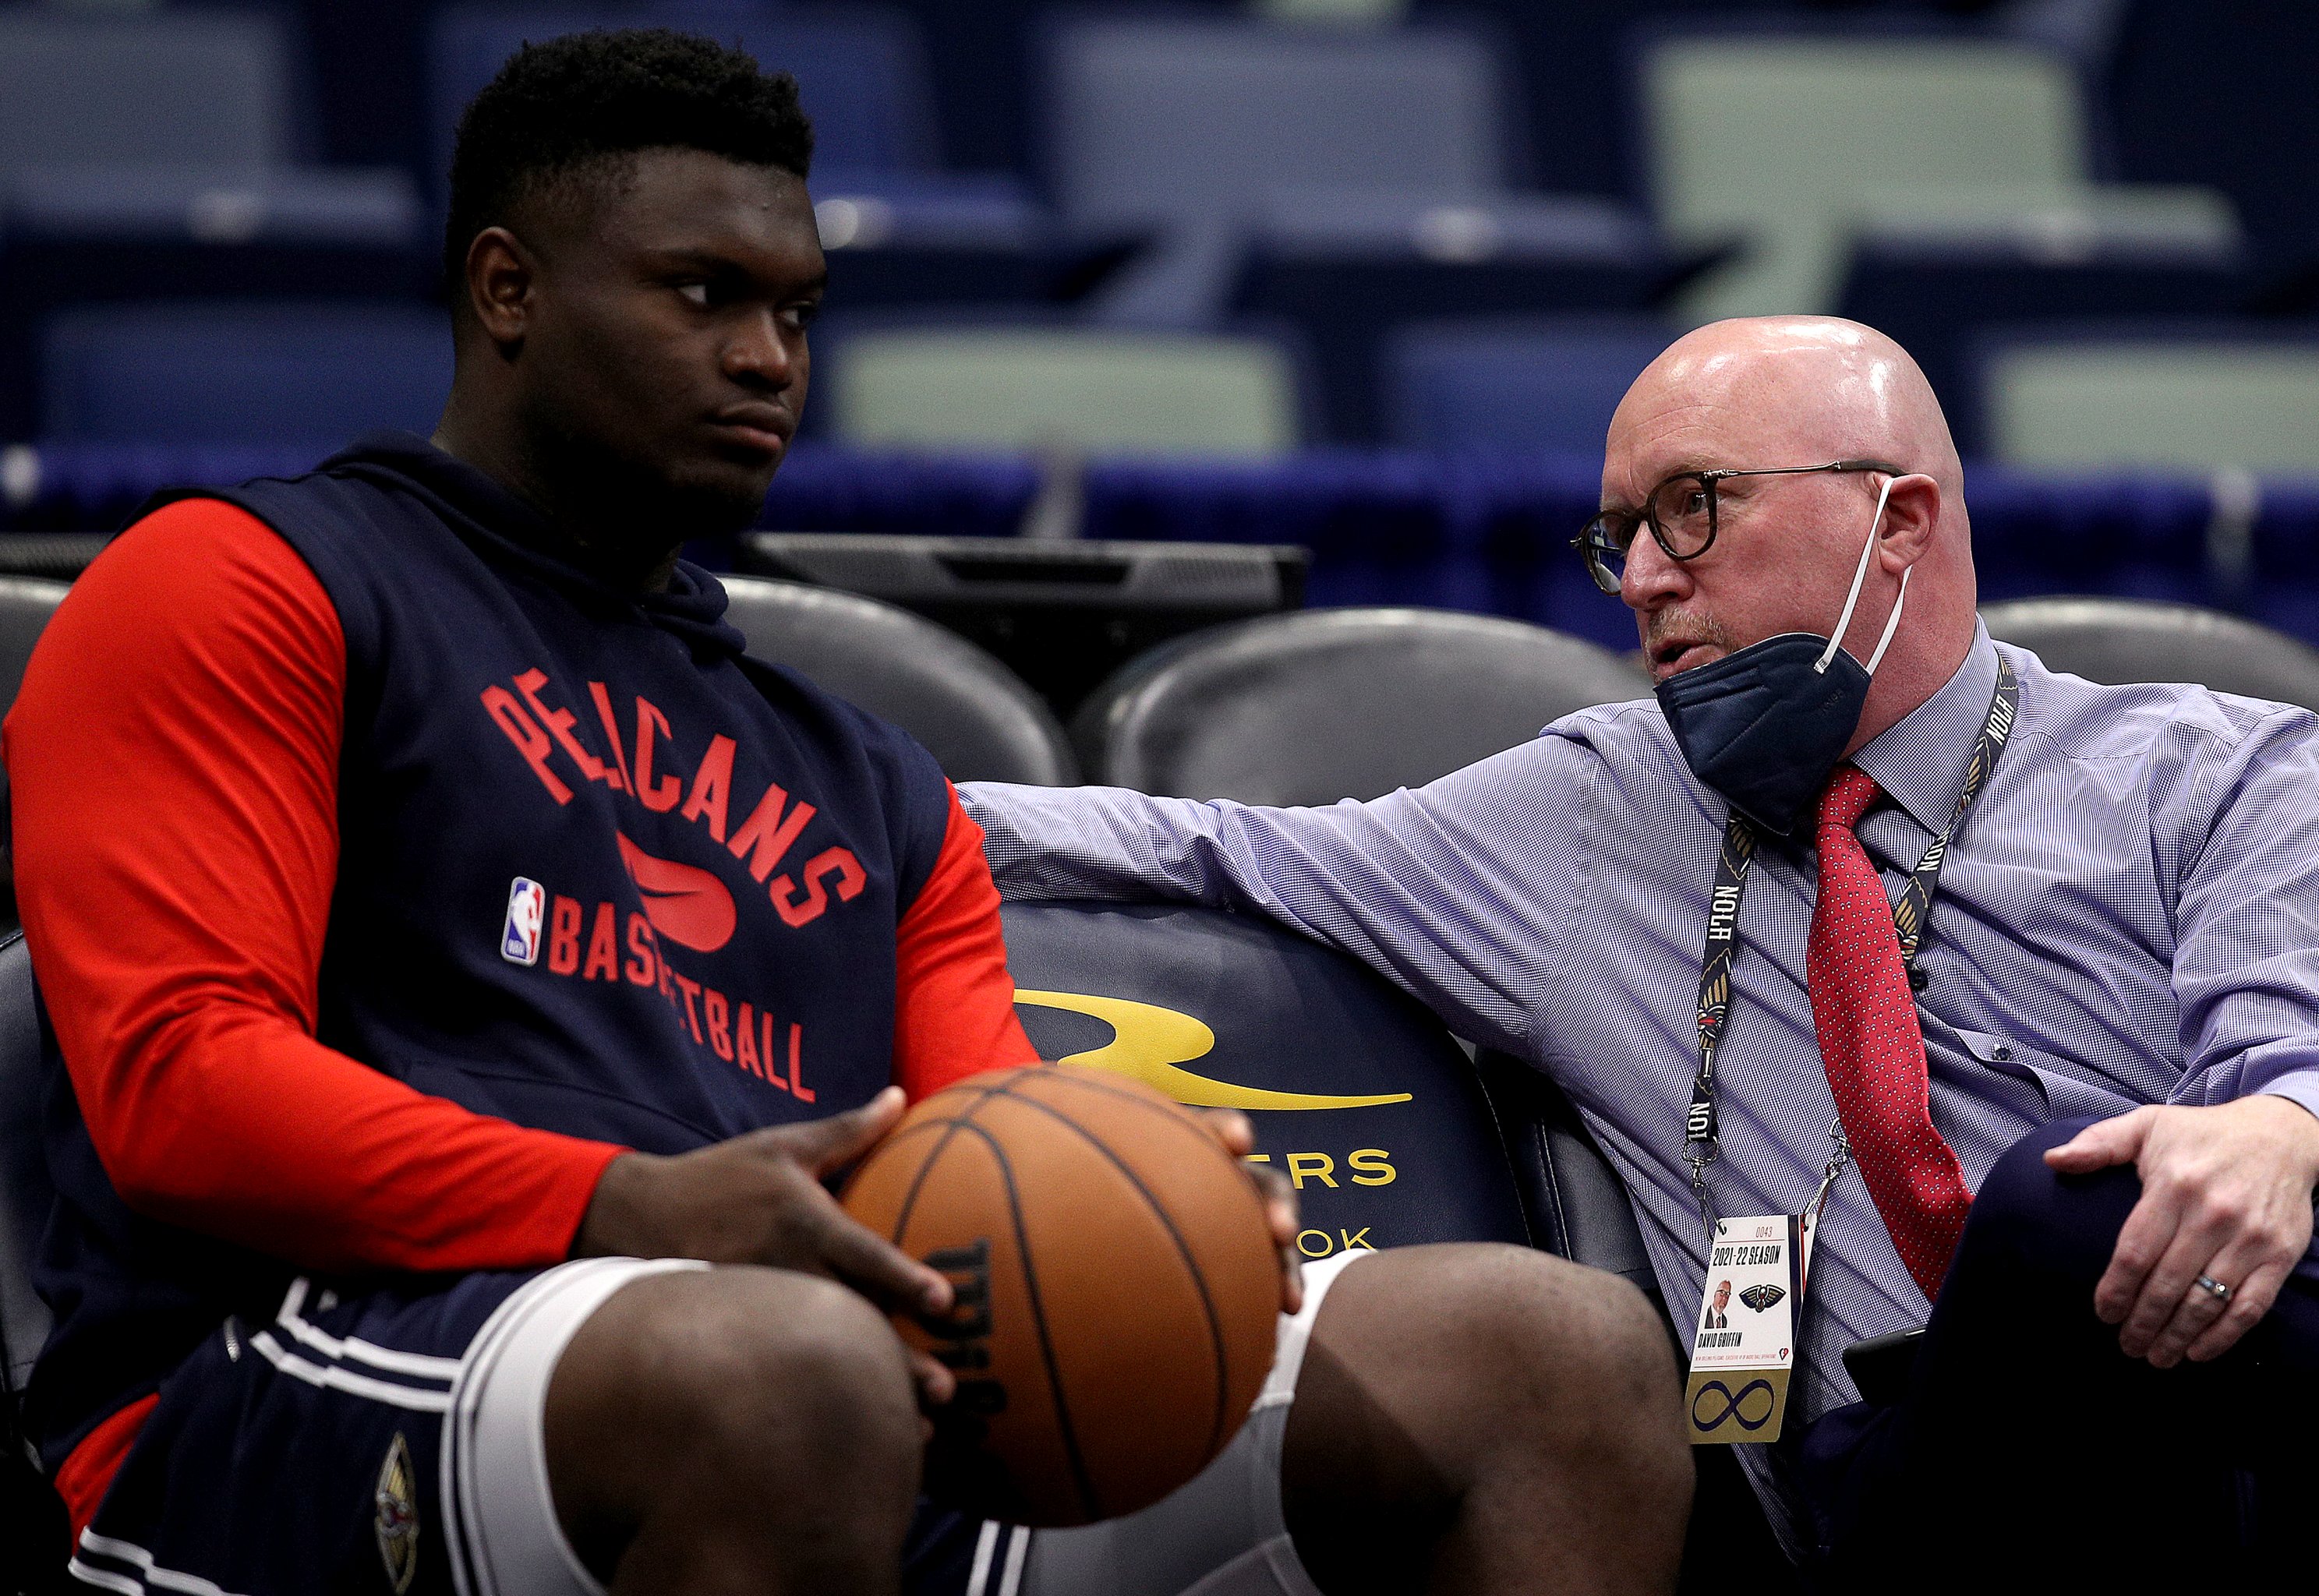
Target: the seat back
(186, 88)
(1541, 385)
(2128, 640)
(26, 603)
(25, 1193)
(1160, 118)
(1027, 387)
(1311, 707)
(2083, 401)
(1357, 1094)
(976, 717)
(243, 373)
(1775, 135)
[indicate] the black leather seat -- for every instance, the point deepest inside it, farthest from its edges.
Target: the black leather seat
(26, 602)
(31, 1516)
(976, 717)
(1357, 1093)
(2126, 640)
(1327, 704)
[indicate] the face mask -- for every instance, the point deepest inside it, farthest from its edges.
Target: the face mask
(1764, 725)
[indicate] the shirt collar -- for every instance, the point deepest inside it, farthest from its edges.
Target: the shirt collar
(1919, 761)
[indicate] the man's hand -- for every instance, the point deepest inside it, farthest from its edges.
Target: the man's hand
(2225, 1192)
(758, 1199)
(1231, 1128)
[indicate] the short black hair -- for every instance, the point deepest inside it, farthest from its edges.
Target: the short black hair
(559, 109)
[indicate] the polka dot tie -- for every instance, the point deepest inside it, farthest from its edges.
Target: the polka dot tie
(1865, 1018)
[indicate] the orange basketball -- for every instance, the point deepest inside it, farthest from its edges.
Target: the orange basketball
(1117, 1288)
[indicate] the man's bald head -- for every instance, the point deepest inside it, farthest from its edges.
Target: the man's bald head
(1798, 391)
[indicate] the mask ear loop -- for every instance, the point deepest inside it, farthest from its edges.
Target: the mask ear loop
(1859, 576)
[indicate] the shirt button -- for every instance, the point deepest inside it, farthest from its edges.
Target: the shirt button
(1917, 979)
(2001, 1053)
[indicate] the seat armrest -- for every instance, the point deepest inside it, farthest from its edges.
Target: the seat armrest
(1575, 1202)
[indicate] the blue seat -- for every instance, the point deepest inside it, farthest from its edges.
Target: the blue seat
(1350, 269)
(243, 373)
(1938, 283)
(1534, 386)
(153, 155)
(1356, 1093)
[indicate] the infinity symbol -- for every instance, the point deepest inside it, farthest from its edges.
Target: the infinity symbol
(1732, 1404)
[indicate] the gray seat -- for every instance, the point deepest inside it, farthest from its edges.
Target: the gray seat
(976, 717)
(2126, 640)
(26, 602)
(1311, 707)
(25, 1193)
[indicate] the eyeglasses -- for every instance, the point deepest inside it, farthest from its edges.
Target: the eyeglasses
(1681, 514)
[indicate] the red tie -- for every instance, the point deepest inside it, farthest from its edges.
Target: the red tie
(1865, 1018)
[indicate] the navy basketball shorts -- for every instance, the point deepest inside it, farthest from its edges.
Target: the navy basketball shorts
(392, 1444)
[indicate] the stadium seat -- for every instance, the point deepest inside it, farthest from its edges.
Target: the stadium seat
(194, 87)
(2122, 640)
(1311, 708)
(1079, 389)
(243, 373)
(26, 603)
(1535, 386)
(974, 715)
(1358, 1094)
(1934, 277)
(1152, 120)
(2139, 397)
(1351, 269)
(1778, 134)
(25, 1194)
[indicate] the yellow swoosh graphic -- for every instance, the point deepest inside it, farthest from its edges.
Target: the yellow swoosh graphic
(1148, 1042)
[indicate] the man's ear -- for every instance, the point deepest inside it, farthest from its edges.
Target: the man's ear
(1912, 519)
(501, 275)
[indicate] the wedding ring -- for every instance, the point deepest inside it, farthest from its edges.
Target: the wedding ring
(2213, 1288)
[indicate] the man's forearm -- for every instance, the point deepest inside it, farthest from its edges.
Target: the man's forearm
(1101, 844)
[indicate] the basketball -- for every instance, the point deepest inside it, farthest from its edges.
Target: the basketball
(1116, 1282)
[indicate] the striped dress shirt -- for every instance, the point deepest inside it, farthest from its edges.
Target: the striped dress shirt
(2130, 915)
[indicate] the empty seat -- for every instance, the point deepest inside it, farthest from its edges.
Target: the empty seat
(1776, 135)
(1076, 389)
(1936, 275)
(973, 715)
(205, 88)
(1154, 119)
(26, 603)
(2123, 640)
(226, 373)
(1535, 386)
(1358, 1094)
(1331, 704)
(2126, 398)
(1351, 269)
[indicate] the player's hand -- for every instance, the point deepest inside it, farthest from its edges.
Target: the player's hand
(1231, 1128)
(2226, 1193)
(759, 1199)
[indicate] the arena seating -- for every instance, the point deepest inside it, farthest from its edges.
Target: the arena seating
(974, 715)
(2130, 394)
(26, 602)
(2123, 640)
(1540, 385)
(1348, 703)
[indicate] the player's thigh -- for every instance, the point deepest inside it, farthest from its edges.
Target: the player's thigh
(355, 1443)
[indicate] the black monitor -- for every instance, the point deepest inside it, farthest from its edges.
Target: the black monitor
(1064, 615)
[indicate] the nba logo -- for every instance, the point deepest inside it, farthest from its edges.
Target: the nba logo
(527, 908)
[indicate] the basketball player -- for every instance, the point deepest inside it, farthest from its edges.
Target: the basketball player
(467, 965)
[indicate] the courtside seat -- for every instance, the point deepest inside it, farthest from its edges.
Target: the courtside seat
(2128, 640)
(25, 1193)
(1328, 704)
(26, 602)
(1357, 1094)
(978, 718)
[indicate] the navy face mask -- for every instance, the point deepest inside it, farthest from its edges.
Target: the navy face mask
(1763, 726)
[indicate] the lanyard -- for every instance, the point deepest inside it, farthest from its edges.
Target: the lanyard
(1702, 1145)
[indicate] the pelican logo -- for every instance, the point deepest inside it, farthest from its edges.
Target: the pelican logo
(397, 1521)
(1150, 1044)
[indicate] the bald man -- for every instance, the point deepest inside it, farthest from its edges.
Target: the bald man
(2010, 982)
